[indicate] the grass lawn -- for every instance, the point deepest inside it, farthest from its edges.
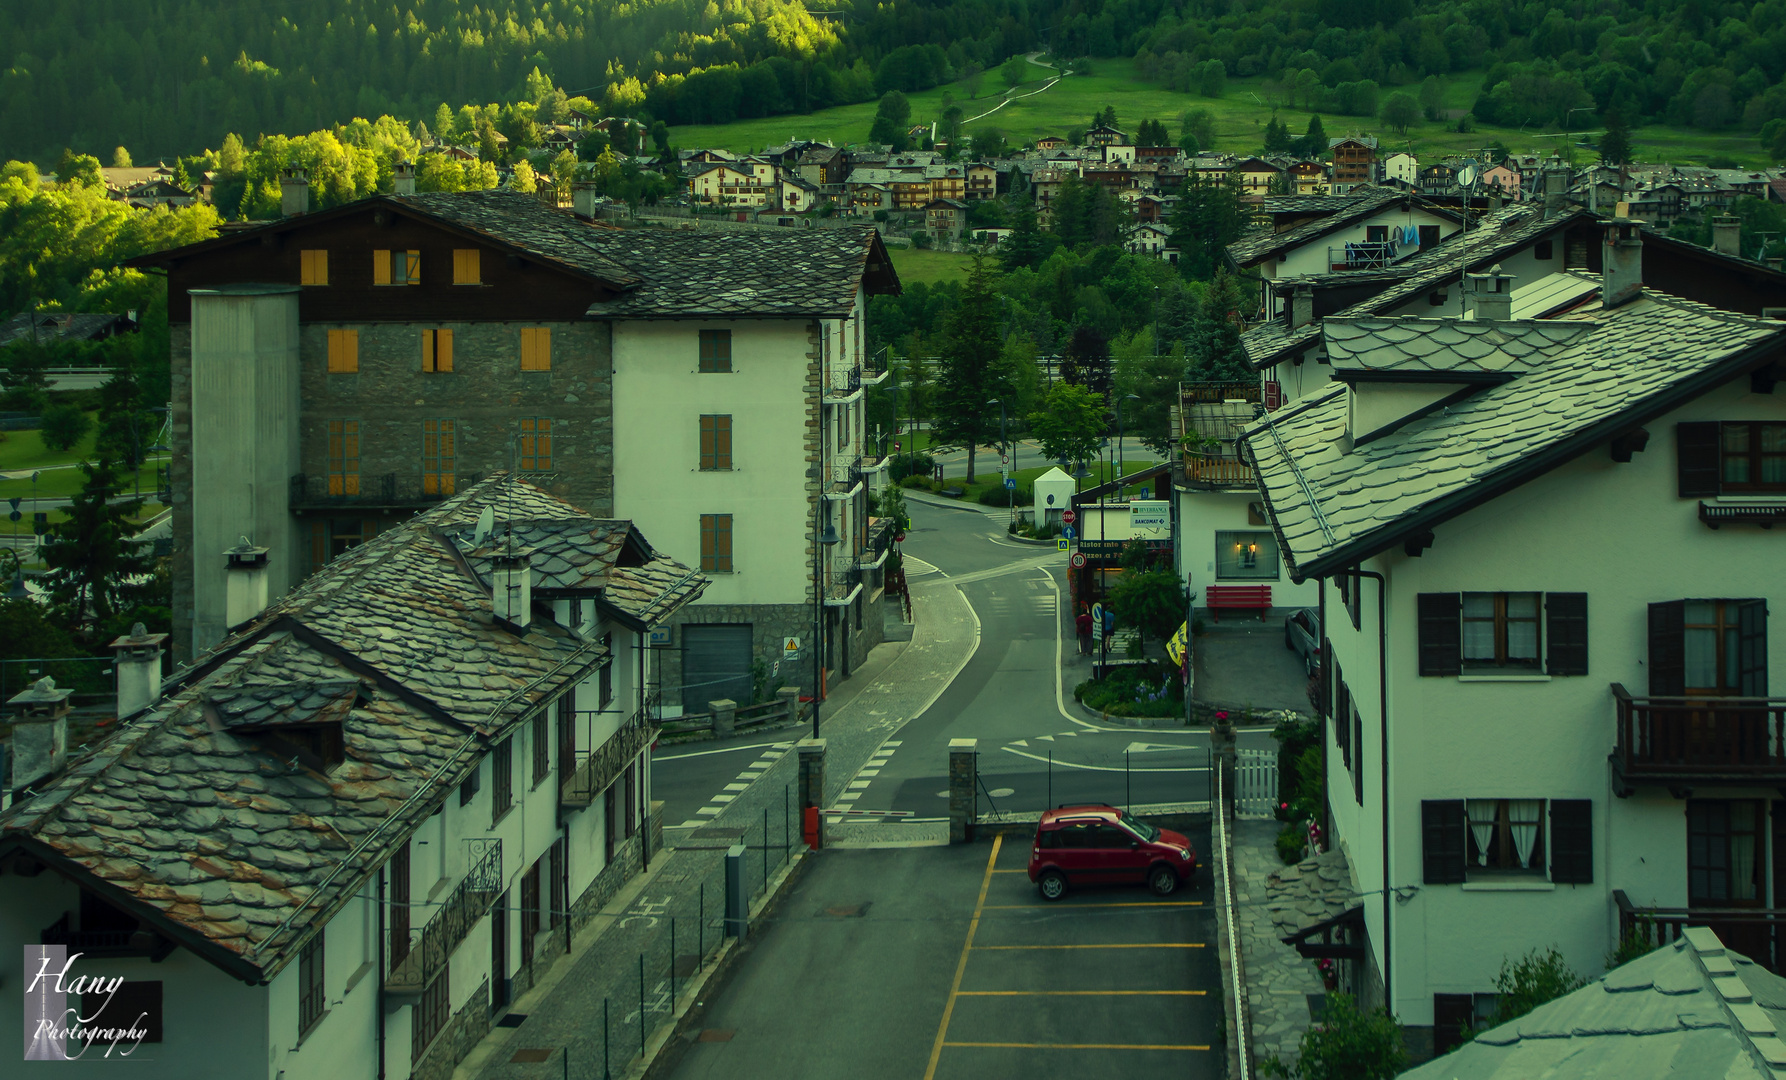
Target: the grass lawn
(915, 264)
(64, 482)
(25, 449)
(1240, 117)
(986, 476)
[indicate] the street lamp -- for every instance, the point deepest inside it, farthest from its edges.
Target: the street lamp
(827, 537)
(1003, 451)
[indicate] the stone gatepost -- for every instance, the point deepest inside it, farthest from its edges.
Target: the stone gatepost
(812, 773)
(725, 717)
(789, 697)
(964, 757)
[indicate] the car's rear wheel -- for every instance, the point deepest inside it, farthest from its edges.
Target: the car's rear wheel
(1053, 884)
(1162, 881)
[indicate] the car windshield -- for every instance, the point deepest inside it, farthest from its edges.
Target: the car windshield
(1140, 828)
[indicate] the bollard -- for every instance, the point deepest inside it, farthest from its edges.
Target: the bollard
(812, 830)
(812, 772)
(789, 696)
(725, 717)
(963, 776)
(737, 895)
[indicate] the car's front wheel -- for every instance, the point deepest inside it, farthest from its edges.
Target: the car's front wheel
(1053, 884)
(1162, 881)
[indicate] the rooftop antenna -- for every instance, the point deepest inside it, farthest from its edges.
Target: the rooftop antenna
(1466, 179)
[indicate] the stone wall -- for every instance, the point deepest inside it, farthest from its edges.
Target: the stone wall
(470, 1024)
(770, 624)
(617, 873)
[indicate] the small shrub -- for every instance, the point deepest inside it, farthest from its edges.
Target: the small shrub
(64, 425)
(1346, 1045)
(997, 496)
(1637, 942)
(922, 483)
(1290, 842)
(1533, 979)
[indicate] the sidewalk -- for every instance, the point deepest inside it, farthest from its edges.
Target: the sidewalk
(564, 1012)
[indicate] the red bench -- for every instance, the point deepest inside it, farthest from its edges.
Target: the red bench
(1237, 597)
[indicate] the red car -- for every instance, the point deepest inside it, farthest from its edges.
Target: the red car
(1097, 843)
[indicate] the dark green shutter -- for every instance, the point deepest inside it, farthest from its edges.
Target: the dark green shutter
(1442, 836)
(1668, 649)
(1698, 449)
(1441, 643)
(1751, 648)
(1572, 841)
(1566, 633)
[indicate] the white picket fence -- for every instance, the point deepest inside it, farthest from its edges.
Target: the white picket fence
(1255, 783)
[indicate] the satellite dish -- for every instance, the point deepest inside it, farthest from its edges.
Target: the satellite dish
(1467, 176)
(486, 524)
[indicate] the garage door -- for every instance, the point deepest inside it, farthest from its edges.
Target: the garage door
(715, 665)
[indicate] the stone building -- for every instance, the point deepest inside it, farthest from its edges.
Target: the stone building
(335, 372)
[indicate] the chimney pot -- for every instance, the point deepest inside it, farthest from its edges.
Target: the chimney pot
(1302, 305)
(1727, 234)
(246, 583)
(403, 178)
(294, 192)
(583, 199)
(511, 587)
(1493, 292)
(138, 666)
(1621, 276)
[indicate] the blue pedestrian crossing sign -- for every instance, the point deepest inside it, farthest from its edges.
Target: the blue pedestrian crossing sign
(1060, 545)
(1067, 531)
(1011, 482)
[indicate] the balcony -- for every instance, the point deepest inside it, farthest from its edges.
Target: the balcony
(880, 542)
(104, 944)
(874, 369)
(425, 952)
(842, 584)
(1214, 393)
(843, 477)
(386, 491)
(842, 384)
(1683, 742)
(600, 766)
(1209, 470)
(1366, 255)
(1757, 933)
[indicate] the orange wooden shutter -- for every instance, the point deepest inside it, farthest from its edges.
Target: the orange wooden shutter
(381, 266)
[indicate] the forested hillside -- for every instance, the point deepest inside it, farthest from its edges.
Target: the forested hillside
(167, 77)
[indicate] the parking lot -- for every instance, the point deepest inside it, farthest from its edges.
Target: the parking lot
(944, 962)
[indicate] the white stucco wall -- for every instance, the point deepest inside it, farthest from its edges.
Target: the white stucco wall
(1619, 533)
(1202, 514)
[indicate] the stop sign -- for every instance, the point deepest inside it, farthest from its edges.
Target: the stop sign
(1067, 517)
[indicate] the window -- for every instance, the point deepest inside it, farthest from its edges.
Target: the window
(344, 457)
(530, 911)
(438, 453)
(313, 267)
(536, 348)
(399, 892)
(567, 734)
(542, 749)
(1376, 234)
(1506, 836)
(716, 350)
(1710, 648)
(344, 351)
(1246, 556)
(1725, 858)
(334, 537)
(536, 444)
(716, 543)
(716, 442)
(605, 680)
(431, 1014)
(437, 350)
(311, 996)
(1542, 251)
(1500, 629)
(1464, 633)
(466, 266)
(396, 267)
(1738, 457)
(468, 787)
(1457, 1016)
(502, 779)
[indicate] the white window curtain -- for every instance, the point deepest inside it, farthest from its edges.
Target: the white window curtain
(1481, 813)
(1523, 815)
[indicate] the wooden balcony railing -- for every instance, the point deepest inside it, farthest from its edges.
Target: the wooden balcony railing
(1217, 471)
(1758, 933)
(1685, 740)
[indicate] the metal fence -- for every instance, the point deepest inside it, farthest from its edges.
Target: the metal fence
(1255, 783)
(1126, 770)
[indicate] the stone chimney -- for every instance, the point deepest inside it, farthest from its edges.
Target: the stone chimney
(511, 587)
(583, 199)
(1727, 234)
(1493, 292)
(246, 594)
(1302, 305)
(403, 178)
(294, 192)
(1556, 189)
(1622, 262)
(39, 733)
(139, 670)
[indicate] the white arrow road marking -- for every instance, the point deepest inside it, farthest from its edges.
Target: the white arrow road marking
(1151, 748)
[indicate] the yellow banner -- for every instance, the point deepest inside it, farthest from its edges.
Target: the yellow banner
(1176, 646)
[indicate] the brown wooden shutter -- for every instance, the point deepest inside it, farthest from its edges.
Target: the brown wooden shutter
(1751, 648)
(1668, 648)
(1697, 457)
(1442, 841)
(1441, 644)
(1572, 841)
(1566, 633)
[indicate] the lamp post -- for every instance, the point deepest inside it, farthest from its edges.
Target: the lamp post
(1004, 453)
(825, 535)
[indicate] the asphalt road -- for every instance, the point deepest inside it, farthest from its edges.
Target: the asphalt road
(943, 962)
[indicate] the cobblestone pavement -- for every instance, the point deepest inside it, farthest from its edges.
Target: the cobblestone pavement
(1278, 981)
(604, 966)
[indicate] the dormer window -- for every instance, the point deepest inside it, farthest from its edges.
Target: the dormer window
(318, 746)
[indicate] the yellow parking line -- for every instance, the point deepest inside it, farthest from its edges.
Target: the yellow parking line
(1021, 870)
(942, 1030)
(1083, 993)
(1134, 903)
(1072, 1046)
(1162, 945)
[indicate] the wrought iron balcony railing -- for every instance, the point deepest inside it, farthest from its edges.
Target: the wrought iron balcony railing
(373, 490)
(600, 766)
(425, 952)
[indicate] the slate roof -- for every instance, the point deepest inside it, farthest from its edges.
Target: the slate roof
(1496, 236)
(1332, 506)
(514, 219)
(54, 326)
(231, 844)
(1410, 345)
(1691, 1010)
(1249, 250)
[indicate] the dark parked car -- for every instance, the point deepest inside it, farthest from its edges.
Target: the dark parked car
(1302, 636)
(1097, 844)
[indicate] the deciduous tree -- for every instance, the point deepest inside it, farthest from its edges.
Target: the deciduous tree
(972, 372)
